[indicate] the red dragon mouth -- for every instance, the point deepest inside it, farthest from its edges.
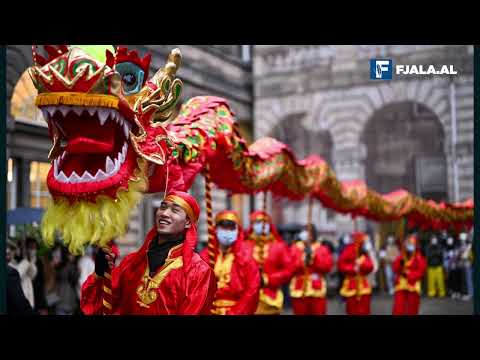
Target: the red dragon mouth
(95, 153)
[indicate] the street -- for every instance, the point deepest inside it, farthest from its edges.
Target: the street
(382, 305)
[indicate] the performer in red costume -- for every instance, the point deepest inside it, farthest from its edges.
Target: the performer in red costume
(238, 278)
(308, 288)
(409, 268)
(165, 276)
(355, 264)
(273, 257)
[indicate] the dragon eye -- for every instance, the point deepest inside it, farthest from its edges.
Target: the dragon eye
(132, 77)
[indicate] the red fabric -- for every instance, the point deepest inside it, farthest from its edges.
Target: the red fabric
(346, 265)
(187, 290)
(415, 269)
(358, 305)
(244, 284)
(309, 306)
(406, 303)
(346, 262)
(277, 267)
(321, 264)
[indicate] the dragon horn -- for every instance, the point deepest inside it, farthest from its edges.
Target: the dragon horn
(174, 62)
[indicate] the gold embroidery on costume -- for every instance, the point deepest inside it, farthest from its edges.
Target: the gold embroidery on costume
(147, 290)
(223, 269)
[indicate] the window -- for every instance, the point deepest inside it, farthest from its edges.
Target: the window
(11, 185)
(39, 195)
(22, 105)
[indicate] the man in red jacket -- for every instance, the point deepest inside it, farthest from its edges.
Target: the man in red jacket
(308, 288)
(164, 277)
(355, 263)
(273, 257)
(238, 277)
(409, 268)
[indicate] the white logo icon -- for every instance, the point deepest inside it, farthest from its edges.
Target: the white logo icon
(380, 67)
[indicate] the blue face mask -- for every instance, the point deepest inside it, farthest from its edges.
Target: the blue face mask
(410, 248)
(260, 228)
(226, 237)
(366, 246)
(303, 235)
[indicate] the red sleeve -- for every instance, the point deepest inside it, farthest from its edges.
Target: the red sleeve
(91, 295)
(251, 281)
(345, 264)
(296, 260)
(396, 265)
(200, 289)
(415, 272)
(366, 266)
(287, 268)
(323, 261)
(204, 255)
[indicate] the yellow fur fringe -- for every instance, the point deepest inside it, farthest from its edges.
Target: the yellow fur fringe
(85, 223)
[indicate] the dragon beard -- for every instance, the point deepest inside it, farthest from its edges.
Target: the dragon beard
(93, 223)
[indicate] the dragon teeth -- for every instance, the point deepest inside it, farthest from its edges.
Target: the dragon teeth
(74, 178)
(100, 175)
(62, 177)
(55, 168)
(64, 110)
(87, 176)
(126, 129)
(45, 113)
(103, 115)
(78, 110)
(109, 165)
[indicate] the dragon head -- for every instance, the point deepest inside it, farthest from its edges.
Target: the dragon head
(107, 123)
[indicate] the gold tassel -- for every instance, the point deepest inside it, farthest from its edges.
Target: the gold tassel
(77, 99)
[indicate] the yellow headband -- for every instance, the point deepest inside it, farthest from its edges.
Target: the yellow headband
(227, 216)
(184, 205)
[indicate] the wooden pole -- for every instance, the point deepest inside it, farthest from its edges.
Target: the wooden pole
(212, 248)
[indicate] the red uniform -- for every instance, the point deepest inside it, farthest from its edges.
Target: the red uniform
(238, 282)
(356, 288)
(238, 277)
(308, 288)
(184, 285)
(406, 300)
(274, 259)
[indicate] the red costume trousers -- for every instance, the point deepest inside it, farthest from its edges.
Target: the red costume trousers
(406, 303)
(358, 305)
(309, 306)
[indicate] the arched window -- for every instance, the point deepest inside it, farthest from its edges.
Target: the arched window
(22, 104)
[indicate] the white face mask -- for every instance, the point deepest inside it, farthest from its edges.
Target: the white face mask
(463, 237)
(410, 248)
(227, 237)
(259, 228)
(367, 246)
(390, 240)
(450, 241)
(303, 235)
(434, 241)
(347, 240)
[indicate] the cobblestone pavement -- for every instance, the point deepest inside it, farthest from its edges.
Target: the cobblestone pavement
(382, 305)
